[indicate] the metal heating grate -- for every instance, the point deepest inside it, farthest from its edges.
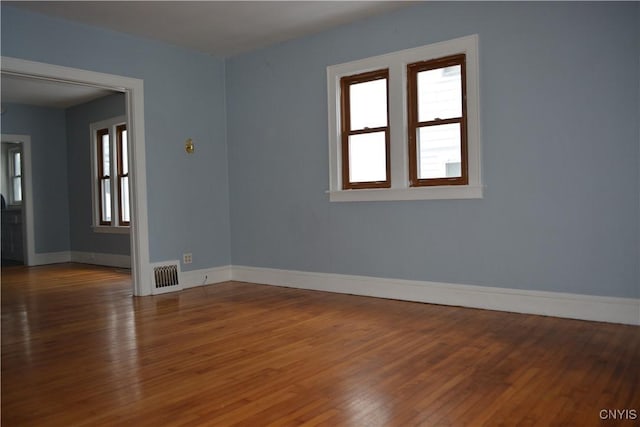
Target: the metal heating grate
(165, 276)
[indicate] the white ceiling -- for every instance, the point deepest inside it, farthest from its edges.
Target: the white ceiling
(43, 93)
(221, 28)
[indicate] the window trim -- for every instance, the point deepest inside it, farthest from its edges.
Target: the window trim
(98, 226)
(397, 63)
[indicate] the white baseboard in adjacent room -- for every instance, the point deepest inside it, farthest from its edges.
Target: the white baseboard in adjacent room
(49, 258)
(97, 258)
(557, 304)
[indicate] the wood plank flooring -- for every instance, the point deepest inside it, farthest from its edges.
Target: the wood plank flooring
(79, 350)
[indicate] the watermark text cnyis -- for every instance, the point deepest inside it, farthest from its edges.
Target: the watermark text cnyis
(618, 414)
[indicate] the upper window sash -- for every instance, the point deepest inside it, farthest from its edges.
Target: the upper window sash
(396, 63)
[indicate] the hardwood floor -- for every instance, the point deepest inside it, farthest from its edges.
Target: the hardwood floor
(79, 350)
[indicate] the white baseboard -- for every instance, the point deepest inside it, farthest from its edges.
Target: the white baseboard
(109, 260)
(96, 258)
(557, 304)
(49, 258)
(206, 276)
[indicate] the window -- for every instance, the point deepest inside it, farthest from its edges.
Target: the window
(15, 176)
(365, 130)
(437, 131)
(123, 175)
(405, 125)
(111, 175)
(104, 180)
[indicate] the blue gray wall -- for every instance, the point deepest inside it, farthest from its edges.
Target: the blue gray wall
(184, 93)
(559, 118)
(78, 122)
(46, 126)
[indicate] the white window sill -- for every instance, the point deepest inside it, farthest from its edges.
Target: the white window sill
(110, 230)
(422, 193)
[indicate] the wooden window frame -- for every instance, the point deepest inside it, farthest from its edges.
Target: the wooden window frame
(121, 175)
(101, 173)
(346, 131)
(413, 123)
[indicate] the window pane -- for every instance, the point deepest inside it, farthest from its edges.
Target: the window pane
(368, 104)
(17, 189)
(367, 157)
(124, 199)
(125, 154)
(106, 165)
(105, 195)
(17, 164)
(440, 93)
(439, 152)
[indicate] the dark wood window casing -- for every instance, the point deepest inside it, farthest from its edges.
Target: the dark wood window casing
(414, 125)
(346, 131)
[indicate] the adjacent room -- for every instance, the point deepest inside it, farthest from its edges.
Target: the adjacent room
(320, 213)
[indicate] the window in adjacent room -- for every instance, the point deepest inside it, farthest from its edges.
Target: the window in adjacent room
(15, 176)
(104, 179)
(110, 167)
(124, 212)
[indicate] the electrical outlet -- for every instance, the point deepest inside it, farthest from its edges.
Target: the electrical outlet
(187, 258)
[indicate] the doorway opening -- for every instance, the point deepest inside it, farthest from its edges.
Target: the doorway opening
(11, 203)
(134, 106)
